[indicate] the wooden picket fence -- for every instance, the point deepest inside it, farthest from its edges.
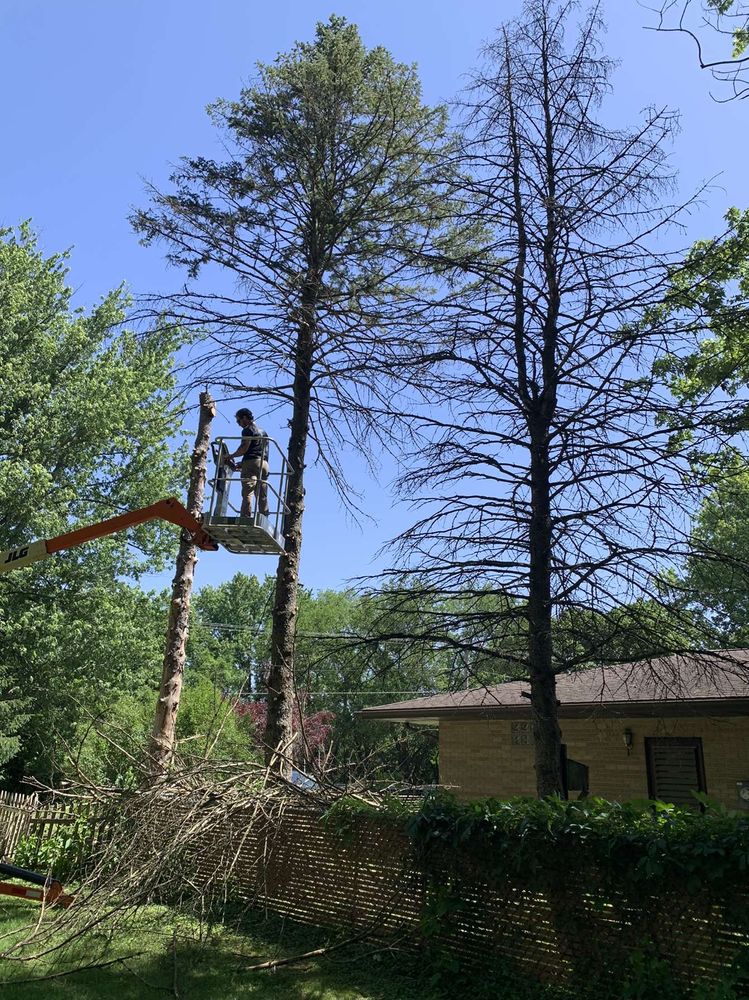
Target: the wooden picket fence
(26, 815)
(17, 815)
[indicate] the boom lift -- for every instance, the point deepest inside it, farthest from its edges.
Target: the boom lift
(165, 510)
(223, 523)
(49, 891)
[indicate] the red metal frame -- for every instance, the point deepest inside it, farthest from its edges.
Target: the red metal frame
(51, 895)
(44, 889)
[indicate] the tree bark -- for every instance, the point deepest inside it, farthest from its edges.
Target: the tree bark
(279, 735)
(547, 737)
(161, 745)
(539, 408)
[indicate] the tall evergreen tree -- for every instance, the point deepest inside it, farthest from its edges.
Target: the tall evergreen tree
(331, 188)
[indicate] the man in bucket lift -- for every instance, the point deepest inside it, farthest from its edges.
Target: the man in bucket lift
(254, 466)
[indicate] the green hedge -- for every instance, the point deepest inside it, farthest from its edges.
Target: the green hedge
(667, 877)
(634, 842)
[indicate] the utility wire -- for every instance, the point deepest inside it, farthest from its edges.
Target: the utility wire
(304, 635)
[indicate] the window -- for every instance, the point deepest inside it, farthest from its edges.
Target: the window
(521, 734)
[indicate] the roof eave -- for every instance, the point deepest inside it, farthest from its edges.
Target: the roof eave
(581, 710)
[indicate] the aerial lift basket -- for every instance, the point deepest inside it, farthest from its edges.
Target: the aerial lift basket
(246, 535)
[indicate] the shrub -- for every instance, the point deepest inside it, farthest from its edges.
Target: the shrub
(634, 892)
(63, 853)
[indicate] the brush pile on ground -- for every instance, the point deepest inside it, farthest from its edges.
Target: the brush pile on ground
(176, 841)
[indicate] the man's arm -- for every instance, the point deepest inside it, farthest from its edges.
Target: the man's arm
(244, 445)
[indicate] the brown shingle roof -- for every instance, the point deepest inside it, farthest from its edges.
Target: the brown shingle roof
(694, 683)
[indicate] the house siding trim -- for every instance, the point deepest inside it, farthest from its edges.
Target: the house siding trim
(589, 710)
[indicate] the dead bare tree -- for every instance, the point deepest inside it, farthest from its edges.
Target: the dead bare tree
(555, 471)
(303, 238)
(162, 740)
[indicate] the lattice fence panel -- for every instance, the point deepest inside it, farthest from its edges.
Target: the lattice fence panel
(369, 879)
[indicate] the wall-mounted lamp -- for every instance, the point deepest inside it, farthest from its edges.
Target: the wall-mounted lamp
(628, 737)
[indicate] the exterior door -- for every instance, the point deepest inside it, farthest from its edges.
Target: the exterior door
(675, 769)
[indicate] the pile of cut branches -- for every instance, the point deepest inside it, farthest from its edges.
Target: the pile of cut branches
(175, 841)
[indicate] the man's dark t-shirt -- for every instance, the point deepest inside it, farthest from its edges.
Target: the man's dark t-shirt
(257, 443)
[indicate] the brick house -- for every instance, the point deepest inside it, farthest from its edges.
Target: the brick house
(644, 730)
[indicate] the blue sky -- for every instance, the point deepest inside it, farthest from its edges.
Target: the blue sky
(100, 96)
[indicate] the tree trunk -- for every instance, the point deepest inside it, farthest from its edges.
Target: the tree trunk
(547, 738)
(161, 746)
(279, 734)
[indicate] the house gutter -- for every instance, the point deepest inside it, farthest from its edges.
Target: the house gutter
(712, 707)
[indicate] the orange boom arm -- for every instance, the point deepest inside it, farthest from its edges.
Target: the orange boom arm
(50, 889)
(166, 510)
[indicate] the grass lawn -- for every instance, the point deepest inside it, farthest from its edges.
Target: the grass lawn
(166, 954)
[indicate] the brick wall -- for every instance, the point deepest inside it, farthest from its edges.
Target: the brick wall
(478, 757)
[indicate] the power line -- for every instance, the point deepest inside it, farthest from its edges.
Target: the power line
(226, 627)
(370, 691)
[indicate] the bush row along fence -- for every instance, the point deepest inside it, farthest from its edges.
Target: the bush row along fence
(571, 923)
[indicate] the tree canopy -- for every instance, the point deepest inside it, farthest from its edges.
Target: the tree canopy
(332, 194)
(89, 415)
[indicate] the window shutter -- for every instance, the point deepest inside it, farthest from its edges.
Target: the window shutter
(675, 769)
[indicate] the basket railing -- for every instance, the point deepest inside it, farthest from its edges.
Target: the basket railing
(225, 500)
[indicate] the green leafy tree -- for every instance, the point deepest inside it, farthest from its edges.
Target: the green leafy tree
(711, 292)
(209, 728)
(341, 666)
(108, 747)
(230, 633)
(12, 716)
(75, 642)
(352, 650)
(87, 411)
(716, 581)
(357, 650)
(332, 187)
(638, 631)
